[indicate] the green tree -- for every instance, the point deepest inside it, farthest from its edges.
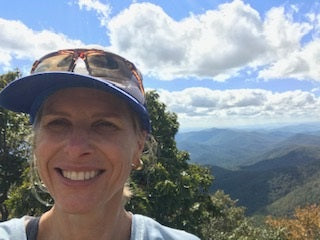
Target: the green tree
(24, 199)
(13, 147)
(230, 223)
(168, 188)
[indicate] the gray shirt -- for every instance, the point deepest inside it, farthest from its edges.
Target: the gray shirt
(143, 228)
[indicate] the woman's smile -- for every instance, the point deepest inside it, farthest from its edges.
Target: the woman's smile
(76, 175)
(79, 176)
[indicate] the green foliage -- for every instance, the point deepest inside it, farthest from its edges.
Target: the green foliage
(22, 199)
(230, 223)
(172, 191)
(305, 193)
(13, 147)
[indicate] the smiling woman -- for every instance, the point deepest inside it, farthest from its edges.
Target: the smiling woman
(90, 125)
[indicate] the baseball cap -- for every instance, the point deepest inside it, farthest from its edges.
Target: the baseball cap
(91, 68)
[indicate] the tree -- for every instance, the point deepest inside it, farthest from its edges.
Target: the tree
(13, 147)
(230, 223)
(168, 188)
(24, 199)
(305, 224)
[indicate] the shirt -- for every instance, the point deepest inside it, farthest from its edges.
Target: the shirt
(143, 228)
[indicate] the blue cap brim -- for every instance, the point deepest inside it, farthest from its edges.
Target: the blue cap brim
(27, 94)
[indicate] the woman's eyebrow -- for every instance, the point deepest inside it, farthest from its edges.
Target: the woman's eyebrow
(107, 115)
(52, 112)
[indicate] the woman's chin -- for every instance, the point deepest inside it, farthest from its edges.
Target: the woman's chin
(76, 207)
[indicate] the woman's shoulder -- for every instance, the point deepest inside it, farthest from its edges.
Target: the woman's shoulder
(13, 229)
(146, 228)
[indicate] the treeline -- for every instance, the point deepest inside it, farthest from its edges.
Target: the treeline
(168, 188)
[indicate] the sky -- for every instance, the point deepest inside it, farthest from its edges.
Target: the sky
(213, 63)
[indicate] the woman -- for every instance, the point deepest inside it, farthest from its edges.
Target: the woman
(90, 124)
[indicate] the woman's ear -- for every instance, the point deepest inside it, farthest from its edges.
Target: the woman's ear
(141, 139)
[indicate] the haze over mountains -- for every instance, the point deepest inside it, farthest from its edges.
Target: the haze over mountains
(270, 171)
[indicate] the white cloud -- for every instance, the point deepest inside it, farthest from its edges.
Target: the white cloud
(283, 35)
(301, 65)
(208, 45)
(20, 42)
(5, 57)
(291, 59)
(103, 10)
(240, 106)
(218, 43)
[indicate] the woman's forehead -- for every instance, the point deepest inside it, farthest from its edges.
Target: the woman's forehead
(74, 99)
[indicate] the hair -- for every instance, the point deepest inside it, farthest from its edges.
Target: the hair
(39, 188)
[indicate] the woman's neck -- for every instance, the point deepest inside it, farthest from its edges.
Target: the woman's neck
(102, 224)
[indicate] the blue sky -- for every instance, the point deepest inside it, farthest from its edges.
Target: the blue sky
(214, 63)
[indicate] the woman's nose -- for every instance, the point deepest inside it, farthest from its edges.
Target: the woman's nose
(78, 143)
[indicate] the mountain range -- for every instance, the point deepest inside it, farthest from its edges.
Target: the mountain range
(269, 171)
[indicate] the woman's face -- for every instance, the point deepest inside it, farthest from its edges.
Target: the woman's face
(85, 143)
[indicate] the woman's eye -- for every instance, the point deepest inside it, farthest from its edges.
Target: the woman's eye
(58, 124)
(104, 125)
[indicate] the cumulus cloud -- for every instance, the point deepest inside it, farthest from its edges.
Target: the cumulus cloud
(103, 10)
(299, 64)
(213, 44)
(216, 44)
(20, 42)
(240, 106)
(219, 43)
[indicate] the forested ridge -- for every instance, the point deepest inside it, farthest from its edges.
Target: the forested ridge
(280, 174)
(169, 188)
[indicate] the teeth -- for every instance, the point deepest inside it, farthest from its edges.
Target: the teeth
(80, 176)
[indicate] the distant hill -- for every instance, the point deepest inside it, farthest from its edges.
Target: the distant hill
(231, 148)
(302, 195)
(269, 171)
(226, 147)
(281, 181)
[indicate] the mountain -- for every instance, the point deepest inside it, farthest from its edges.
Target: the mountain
(231, 148)
(269, 171)
(299, 128)
(302, 195)
(265, 185)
